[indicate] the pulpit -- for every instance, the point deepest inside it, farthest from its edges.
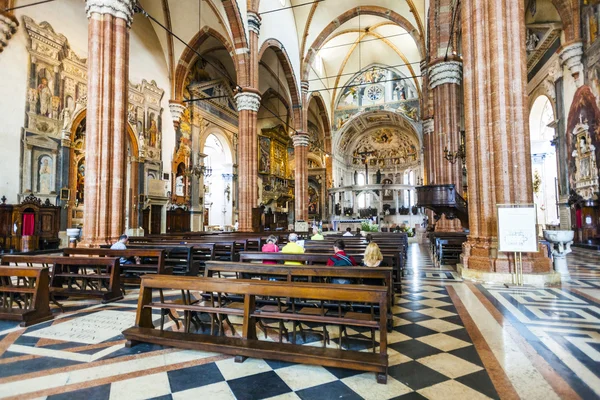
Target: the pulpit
(443, 199)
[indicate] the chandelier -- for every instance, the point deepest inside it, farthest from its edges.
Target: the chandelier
(453, 156)
(199, 169)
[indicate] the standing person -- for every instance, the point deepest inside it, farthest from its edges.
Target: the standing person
(348, 232)
(293, 248)
(317, 234)
(270, 247)
(340, 259)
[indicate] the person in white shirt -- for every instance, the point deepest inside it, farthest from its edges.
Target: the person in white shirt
(122, 245)
(348, 232)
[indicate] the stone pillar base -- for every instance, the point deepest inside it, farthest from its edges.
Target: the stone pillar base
(540, 279)
(481, 254)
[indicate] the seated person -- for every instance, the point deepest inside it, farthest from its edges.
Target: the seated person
(121, 244)
(358, 233)
(340, 259)
(293, 248)
(348, 232)
(317, 234)
(270, 247)
(372, 258)
(369, 238)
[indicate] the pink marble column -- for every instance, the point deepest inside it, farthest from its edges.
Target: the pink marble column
(301, 175)
(108, 77)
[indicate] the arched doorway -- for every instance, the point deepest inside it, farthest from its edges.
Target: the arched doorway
(218, 184)
(543, 161)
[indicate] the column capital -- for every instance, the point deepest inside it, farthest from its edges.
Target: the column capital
(570, 56)
(423, 65)
(444, 72)
(428, 126)
(301, 139)
(123, 9)
(8, 27)
(254, 22)
(177, 109)
(247, 101)
(304, 86)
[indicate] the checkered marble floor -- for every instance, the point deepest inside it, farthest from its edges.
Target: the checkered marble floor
(442, 341)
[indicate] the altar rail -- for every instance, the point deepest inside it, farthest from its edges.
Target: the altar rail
(248, 345)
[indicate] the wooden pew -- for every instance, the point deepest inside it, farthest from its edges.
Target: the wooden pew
(78, 276)
(152, 261)
(24, 295)
(178, 257)
(309, 271)
(249, 345)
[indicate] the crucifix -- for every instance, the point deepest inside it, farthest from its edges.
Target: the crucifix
(364, 155)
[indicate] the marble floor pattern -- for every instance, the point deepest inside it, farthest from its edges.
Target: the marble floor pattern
(451, 340)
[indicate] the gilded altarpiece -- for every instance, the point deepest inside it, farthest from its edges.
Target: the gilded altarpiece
(274, 166)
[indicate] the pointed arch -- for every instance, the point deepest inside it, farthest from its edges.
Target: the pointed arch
(285, 62)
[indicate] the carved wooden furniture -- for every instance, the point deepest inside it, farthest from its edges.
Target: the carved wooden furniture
(443, 199)
(178, 220)
(78, 276)
(152, 261)
(446, 247)
(24, 295)
(42, 223)
(249, 345)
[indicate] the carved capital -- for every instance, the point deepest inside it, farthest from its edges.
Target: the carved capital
(428, 126)
(254, 22)
(247, 101)
(300, 139)
(123, 9)
(177, 109)
(445, 72)
(8, 26)
(570, 57)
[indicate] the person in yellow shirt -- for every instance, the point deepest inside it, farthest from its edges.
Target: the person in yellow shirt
(317, 235)
(293, 248)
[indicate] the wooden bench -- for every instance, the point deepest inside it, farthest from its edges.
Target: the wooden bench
(152, 261)
(178, 257)
(24, 295)
(248, 345)
(96, 277)
(289, 272)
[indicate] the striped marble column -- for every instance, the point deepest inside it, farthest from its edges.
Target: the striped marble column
(444, 82)
(248, 103)
(497, 129)
(301, 140)
(106, 148)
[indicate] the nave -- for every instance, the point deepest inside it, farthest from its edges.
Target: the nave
(450, 339)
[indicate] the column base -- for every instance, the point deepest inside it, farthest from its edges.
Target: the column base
(481, 254)
(539, 279)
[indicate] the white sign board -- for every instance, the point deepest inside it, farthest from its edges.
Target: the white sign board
(517, 228)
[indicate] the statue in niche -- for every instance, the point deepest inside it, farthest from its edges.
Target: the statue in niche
(45, 175)
(153, 132)
(67, 112)
(45, 97)
(532, 41)
(179, 186)
(378, 176)
(356, 177)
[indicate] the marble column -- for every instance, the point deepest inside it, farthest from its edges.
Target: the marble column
(108, 76)
(444, 81)
(248, 103)
(428, 129)
(497, 131)
(300, 140)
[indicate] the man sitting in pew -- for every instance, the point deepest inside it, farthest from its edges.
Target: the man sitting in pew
(122, 245)
(340, 259)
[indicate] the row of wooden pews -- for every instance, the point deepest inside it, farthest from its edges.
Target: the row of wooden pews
(446, 247)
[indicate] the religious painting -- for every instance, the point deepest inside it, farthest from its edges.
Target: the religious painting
(591, 20)
(264, 155)
(65, 194)
(152, 130)
(313, 200)
(387, 193)
(385, 147)
(583, 142)
(45, 175)
(80, 181)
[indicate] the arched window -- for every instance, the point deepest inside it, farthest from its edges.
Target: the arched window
(360, 179)
(362, 200)
(213, 148)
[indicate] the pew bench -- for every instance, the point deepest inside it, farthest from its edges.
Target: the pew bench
(249, 345)
(97, 277)
(24, 295)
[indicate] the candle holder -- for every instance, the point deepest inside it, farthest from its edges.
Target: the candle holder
(453, 157)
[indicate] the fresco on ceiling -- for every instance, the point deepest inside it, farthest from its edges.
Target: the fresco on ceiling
(384, 147)
(377, 88)
(204, 81)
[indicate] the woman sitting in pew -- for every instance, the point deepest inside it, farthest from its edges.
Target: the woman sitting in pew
(372, 258)
(270, 247)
